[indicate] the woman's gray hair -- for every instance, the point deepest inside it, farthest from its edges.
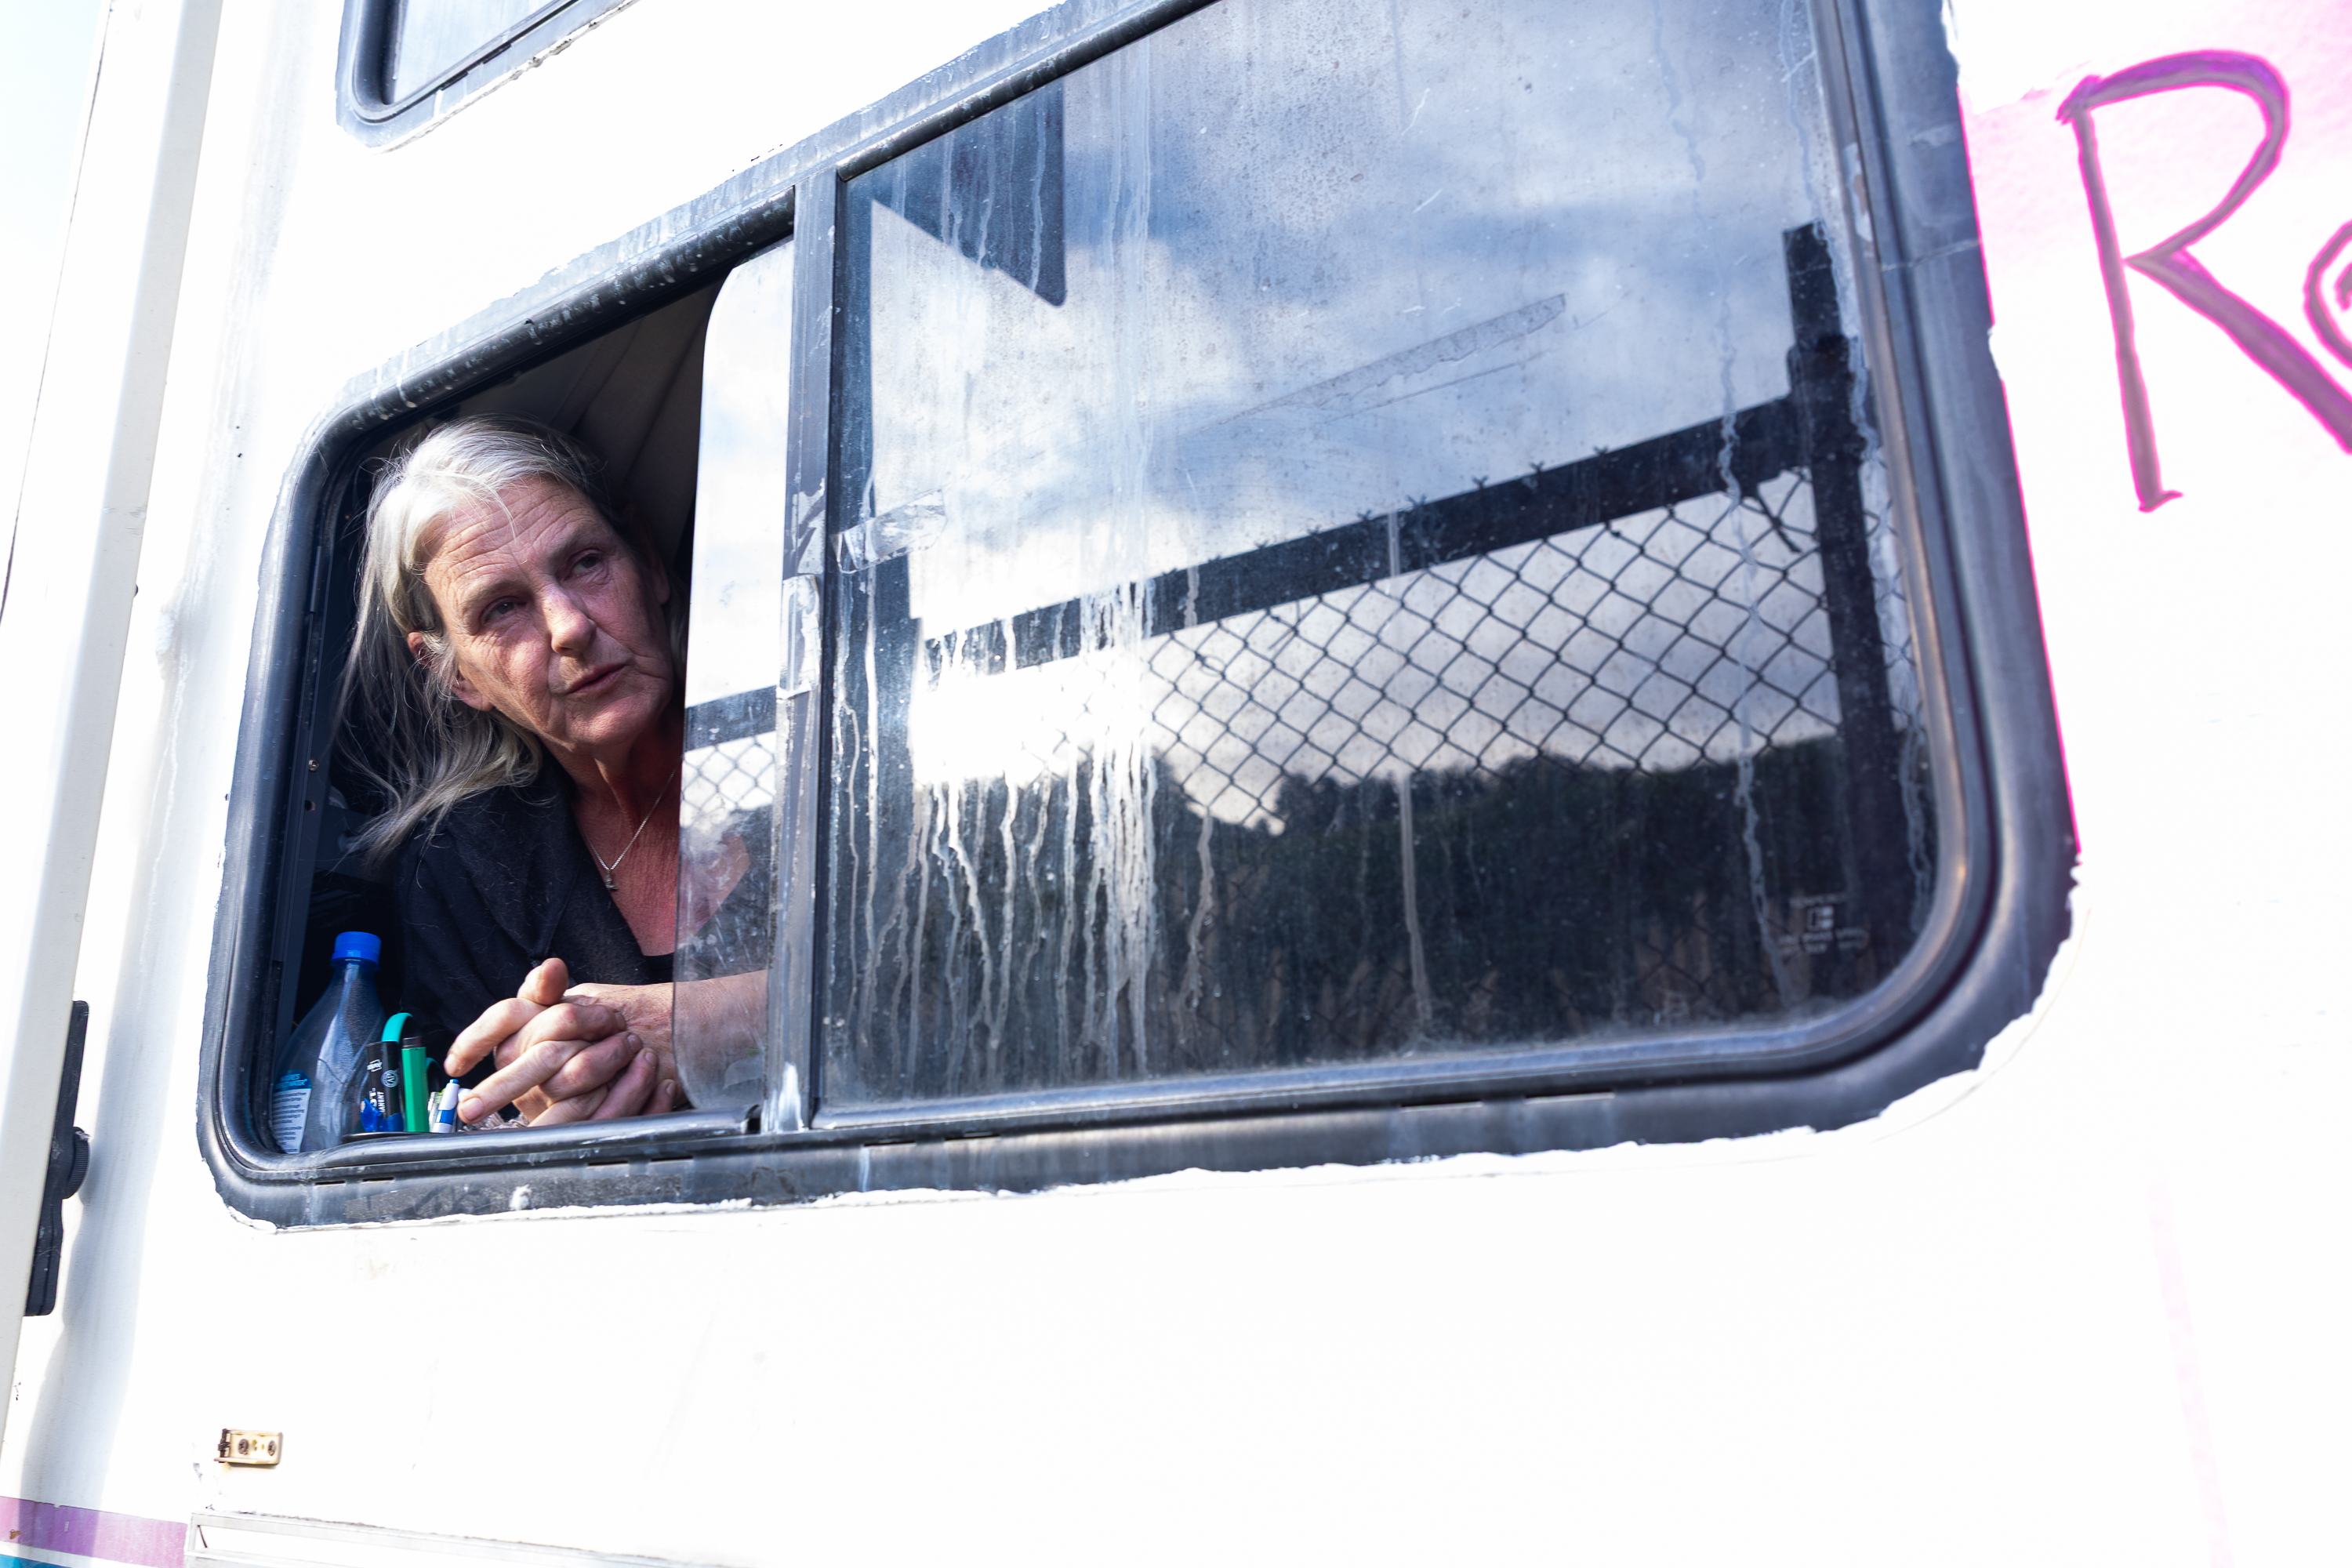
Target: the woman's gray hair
(425, 749)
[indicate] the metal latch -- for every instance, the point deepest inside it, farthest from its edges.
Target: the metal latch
(248, 1447)
(69, 1163)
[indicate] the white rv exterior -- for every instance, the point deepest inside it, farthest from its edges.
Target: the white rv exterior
(2082, 1303)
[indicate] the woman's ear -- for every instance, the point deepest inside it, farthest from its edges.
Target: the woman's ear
(445, 672)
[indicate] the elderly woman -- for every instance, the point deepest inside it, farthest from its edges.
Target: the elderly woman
(516, 668)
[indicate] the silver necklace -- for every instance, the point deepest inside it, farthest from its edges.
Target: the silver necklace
(632, 844)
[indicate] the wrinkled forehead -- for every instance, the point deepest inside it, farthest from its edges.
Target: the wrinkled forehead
(526, 526)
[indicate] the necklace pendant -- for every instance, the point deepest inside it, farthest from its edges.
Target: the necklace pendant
(610, 886)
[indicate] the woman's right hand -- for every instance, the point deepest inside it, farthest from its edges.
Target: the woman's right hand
(557, 1061)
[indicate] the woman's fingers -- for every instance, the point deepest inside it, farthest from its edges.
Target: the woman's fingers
(580, 1021)
(640, 1088)
(484, 1035)
(542, 990)
(584, 1026)
(578, 1108)
(532, 1065)
(635, 1093)
(622, 1097)
(593, 1068)
(632, 1093)
(530, 1105)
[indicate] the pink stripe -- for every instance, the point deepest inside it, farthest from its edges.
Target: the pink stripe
(92, 1532)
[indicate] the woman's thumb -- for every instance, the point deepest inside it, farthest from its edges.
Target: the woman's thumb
(546, 984)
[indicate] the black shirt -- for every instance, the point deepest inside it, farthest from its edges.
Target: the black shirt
(506, 880)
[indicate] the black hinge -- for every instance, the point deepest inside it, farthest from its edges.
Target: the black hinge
(69, 1163)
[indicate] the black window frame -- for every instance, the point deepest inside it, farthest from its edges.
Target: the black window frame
(363, 100)
(2006, 857)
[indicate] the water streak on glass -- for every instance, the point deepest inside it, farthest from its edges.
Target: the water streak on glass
(1365, 541)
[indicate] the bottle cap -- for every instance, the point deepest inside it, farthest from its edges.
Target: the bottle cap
(357, 945)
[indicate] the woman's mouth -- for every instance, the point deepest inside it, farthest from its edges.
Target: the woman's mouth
(595, 681)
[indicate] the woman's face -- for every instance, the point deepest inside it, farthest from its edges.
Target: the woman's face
(550, 619)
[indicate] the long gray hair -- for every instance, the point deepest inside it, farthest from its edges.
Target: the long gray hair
(427, 750)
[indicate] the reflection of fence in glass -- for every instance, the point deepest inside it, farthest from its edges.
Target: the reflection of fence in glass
(727, 794)
(726, 889)
(1608, 747)
(1628, 646)
(720, 781)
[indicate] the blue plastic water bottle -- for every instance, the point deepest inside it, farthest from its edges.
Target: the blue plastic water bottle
(308, 1090)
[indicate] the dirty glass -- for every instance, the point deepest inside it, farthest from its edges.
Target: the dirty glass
(727, 782)
(430, 38)
(1361, 538)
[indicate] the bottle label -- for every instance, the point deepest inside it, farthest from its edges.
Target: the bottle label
(289, 1103)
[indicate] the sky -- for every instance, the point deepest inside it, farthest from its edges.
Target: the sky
(1493, 248)
(47, 51)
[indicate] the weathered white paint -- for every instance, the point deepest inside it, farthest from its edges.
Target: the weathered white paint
(78, 522)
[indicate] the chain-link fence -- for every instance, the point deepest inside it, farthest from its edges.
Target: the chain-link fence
(1691, 633)
(718, 782)
(726, 792)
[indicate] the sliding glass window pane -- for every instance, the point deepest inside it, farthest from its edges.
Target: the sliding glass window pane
(428, 40)
(728, 787)
(1363, 540)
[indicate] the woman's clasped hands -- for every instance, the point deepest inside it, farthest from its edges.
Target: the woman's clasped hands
(565, 1055)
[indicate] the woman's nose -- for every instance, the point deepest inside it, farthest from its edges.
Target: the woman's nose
(569, 629)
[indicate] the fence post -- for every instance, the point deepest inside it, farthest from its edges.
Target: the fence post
(1822, 387)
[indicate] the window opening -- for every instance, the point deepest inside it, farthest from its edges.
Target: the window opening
(634, 395)
(1363, 542)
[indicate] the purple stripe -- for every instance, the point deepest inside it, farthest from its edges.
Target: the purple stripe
(92, 1532)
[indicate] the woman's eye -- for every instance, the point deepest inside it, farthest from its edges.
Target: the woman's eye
(497, 609)
(588, 563)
